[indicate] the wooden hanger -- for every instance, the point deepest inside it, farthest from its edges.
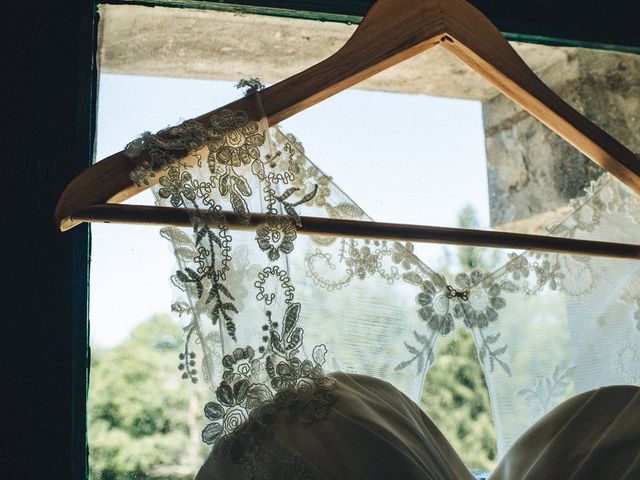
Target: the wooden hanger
(392, 31)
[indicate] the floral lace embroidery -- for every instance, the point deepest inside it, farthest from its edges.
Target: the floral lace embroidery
(231, 144)
(571, 273)
(547, 392)
(298, 387)
(198, 279)
(274, 377)
(276, 236)
(251, 85)
(168, 147)
(362, 258)
(476, 302)
(284, 283)
(278, 377)
(253, 391)
(246, 448)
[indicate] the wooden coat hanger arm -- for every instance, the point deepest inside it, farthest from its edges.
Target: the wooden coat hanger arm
(332, 227)
(484, 49)
(108, 180)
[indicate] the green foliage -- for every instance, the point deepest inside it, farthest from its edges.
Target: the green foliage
(456, 398)
(455, 393)
(144, 421)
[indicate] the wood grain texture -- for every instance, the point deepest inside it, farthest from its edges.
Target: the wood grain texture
(183, 217)
(391, 32)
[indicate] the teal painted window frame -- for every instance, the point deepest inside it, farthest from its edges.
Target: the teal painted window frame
(590, 32)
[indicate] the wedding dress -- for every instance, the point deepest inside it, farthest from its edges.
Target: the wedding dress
(375, 432)
(272, 311)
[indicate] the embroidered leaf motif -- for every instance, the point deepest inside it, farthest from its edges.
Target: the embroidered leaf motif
(242, 185)
(275, 341)
(270, 368)
(175, 235)
(213, 411)
(308, 197)
(547, 392)
(239, 205)
(224, 394)
(257, 395)
(412, 350)
(291, 318)
(211, 433)
(221, 287)
(257, 168)
(287, 193)
(223, 183)
(229, 306)
(509, 286)
(182, 276)
(240, 390)
(402, 365)
(423, 356)
(295, 340)
(191, 277)
(412, 278)
(230, 327)
(420, 338)
(181, 308)
(348, 210)
(493, 355)
(186, 253)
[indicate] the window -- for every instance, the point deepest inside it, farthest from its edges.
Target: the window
(144, 422)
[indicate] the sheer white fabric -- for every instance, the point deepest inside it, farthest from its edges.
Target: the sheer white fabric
(272, 310)
(571, 323)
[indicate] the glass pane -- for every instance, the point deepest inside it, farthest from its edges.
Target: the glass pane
(425, 142)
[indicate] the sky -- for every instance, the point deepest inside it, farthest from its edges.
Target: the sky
(402, 158)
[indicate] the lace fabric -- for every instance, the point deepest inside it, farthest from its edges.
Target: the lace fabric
(272, 311)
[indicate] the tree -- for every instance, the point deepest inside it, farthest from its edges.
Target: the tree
(144, 420)
(455, 393)
(456, 398)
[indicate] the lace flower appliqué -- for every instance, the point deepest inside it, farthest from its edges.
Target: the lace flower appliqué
(276, 236)
(434, 308)
(233, 139)
(475, 301)
(176, 187)
(484, 300)
(290, 384)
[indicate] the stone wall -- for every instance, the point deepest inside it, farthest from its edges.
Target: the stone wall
(532, 172)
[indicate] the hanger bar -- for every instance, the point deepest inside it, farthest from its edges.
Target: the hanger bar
(182, 217)
(392, 31)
